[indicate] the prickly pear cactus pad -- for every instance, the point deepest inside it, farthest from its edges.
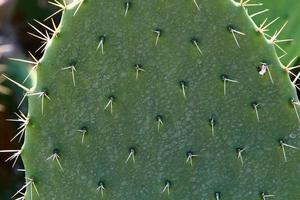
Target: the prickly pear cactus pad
(161, 100)
(283, 11)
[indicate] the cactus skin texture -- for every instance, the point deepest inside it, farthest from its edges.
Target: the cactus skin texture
(162, 119)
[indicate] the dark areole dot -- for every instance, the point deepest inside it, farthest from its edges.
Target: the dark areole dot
(159, 118)
(56, 151)
(127, 4)
(194, 40)
(101, 183)
(73, 63)
(183, 83)
(292, 100)
(212, 121)
(281, 141)
(112, 97)
(238, 149)
(167, 182)
(84, 128)
(102, 38)
(138, 66)
(218, 194)
(46, 91)
(189, 153)
(224, 77)
(230, 28)
(158, 30)
(255, 105)
(132, 150)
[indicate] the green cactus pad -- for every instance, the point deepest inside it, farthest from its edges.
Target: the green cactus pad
(287, 11)
(146, 115)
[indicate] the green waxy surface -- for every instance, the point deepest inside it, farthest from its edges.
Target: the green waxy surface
(160, 155)
(287, 11)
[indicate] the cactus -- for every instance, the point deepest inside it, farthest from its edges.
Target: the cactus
(160, 100)
(284, 11)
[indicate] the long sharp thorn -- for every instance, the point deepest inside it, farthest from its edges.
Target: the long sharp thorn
(55, 13)
(296, 78)
(15, 156)
(16, 83)
(233, 32)
(167, 187)
(47, 27)
(37, 30)
(196, 4)
(287, 67)
(79, 5)
(127, 5)
(258, 13)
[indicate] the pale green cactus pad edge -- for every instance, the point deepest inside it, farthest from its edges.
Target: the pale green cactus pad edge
(174, 64)
(287, 11)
